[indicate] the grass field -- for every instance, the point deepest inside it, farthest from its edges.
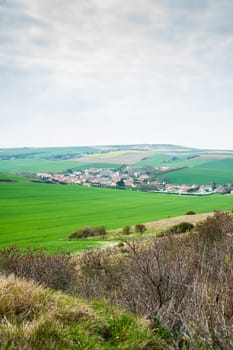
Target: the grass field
(113, 154)
(42, 215)
(156, 161)
(220, 171)
(34, 166)
(41, 152)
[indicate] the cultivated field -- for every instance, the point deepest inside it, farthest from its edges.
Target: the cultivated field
(116, 157)
(42, 215)
(220, 171)
(201, 166)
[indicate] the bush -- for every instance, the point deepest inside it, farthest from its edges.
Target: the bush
(57, 271)
(74, 235)
(177, 229)
(100, 231)
(140, 228)
(86, 232)
(126, 230)
(182, 227)
(182, 282)
(216, 227)
(190, 212)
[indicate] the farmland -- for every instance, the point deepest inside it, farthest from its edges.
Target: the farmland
(42, 215)
(198, 166)
(117, 157)
(204, 171)
(42, 165)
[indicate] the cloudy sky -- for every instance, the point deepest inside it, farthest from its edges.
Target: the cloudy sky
(88, 72)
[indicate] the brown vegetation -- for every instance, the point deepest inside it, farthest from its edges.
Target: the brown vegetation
(182, 283)
(36, 318)
(57, 271)
(88, 232)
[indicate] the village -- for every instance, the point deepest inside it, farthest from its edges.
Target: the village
(129, 179)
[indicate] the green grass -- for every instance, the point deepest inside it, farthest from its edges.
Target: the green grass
(223, 164)
(42, 215)
(113, 154)
(35, 165)
(80, 166)
(34, 160)
(165, 160)
(36, 318)
(10, 177)
(38, 165)
(41, 152)
(220, 171)
(156, 161)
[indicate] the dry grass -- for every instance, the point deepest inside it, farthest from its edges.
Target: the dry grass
(57, 271)
(182, 282)
(164, 224)
(35, 318)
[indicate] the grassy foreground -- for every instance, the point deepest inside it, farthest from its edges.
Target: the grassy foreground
(33, 317)
(42, 215)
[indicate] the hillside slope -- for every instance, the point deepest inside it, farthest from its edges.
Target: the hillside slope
(35, 318)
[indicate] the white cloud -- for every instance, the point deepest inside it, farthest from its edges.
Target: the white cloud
(99, 63)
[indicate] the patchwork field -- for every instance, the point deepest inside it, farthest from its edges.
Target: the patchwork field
(116, 157)
(42, 215)
(201, 166)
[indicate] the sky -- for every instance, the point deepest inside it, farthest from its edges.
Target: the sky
(94, 72)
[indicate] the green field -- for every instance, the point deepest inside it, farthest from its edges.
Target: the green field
(42, 215)
(39, 165)
(157, 161)
(219, 171)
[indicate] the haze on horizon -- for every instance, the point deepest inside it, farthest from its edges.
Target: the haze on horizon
(100, 72)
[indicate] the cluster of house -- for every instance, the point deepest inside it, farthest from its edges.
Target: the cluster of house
(186, 189)
(96, 177)
(129, 179)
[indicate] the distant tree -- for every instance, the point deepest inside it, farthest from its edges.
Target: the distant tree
(121, 184)
(140, 228)
(214, 186)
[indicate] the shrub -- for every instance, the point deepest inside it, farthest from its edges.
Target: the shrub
(182, 282)
(100, 231)
(74, 235)
(190, 212)
(216, 227)
(126, 230)
(182, 227)
(141, 228)
(86, 232)
(57, 271)
(177, 229)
